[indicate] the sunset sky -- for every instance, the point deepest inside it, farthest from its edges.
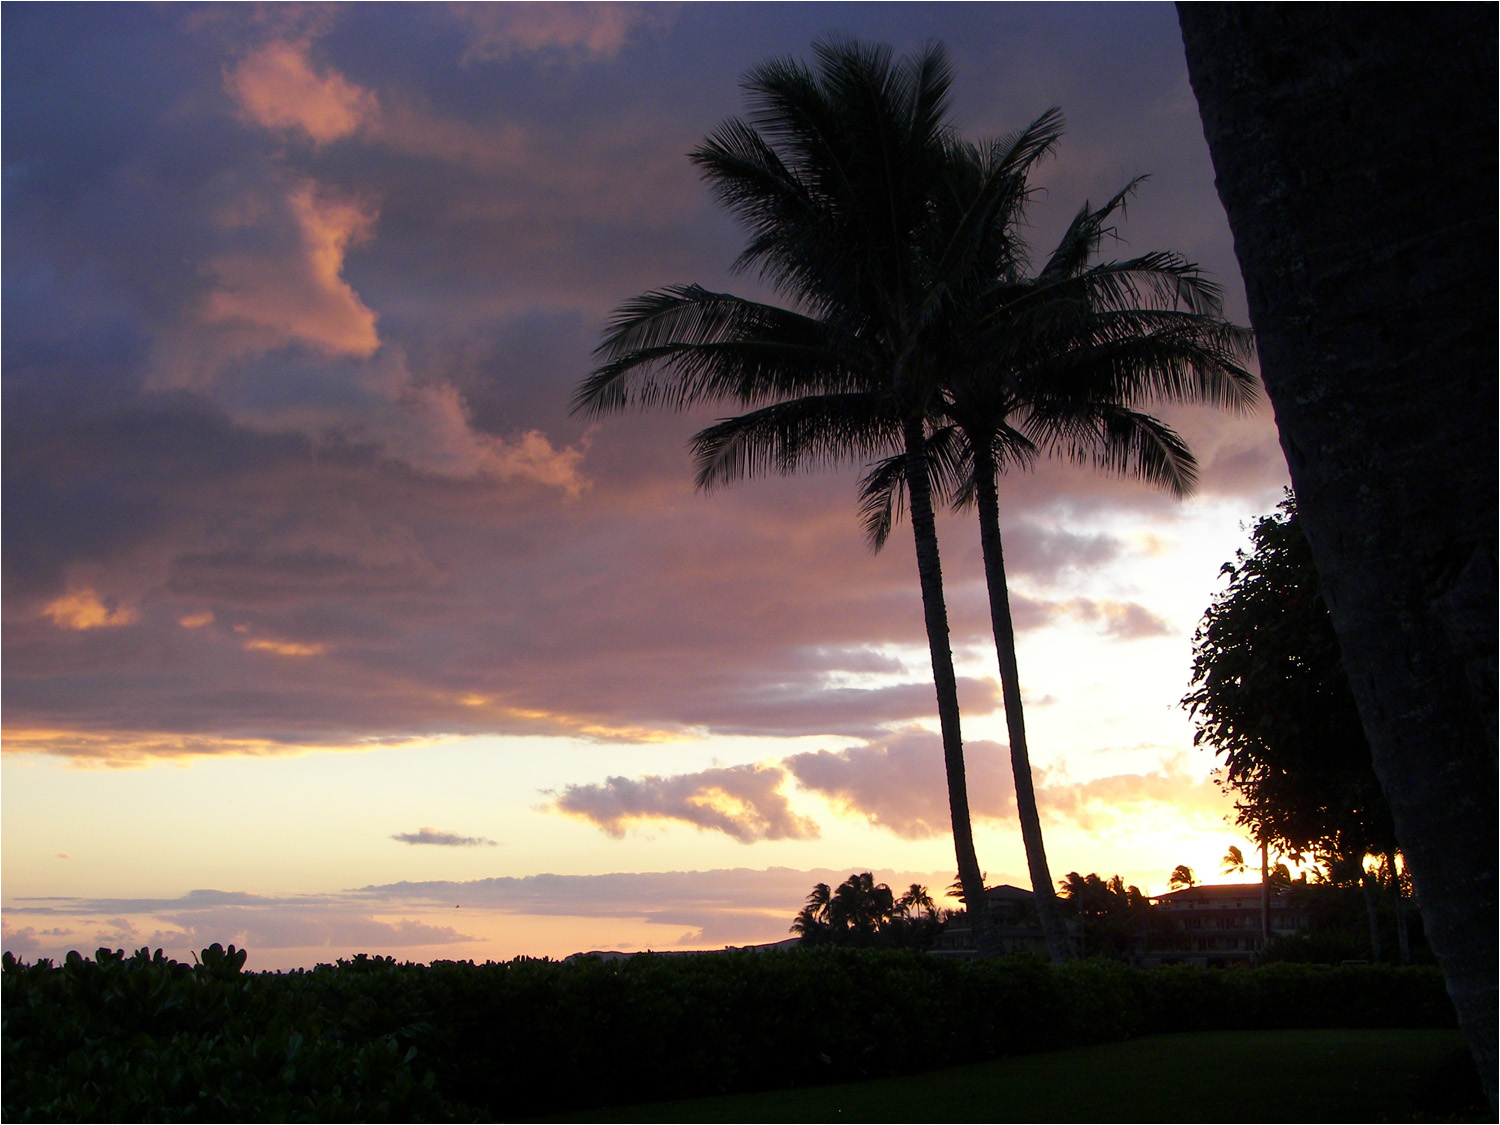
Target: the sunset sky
(328, 630)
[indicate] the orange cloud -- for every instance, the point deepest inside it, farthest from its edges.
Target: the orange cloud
(533, 457)
(83, 609)
(278, 88)
(196, 620)
(298, 295)
(286, 648)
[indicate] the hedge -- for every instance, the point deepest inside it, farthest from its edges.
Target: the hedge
(146, 1038)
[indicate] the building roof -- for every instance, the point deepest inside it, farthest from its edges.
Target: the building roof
(1007, 893)
(1213, 892)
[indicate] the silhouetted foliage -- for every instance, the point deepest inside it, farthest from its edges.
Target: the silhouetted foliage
(144, 1038)
(864, 913)
(1110, 916)
(1270, 697)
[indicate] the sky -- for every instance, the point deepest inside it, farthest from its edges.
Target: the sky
(328, 630)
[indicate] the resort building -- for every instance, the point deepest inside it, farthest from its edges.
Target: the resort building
(1217, 924)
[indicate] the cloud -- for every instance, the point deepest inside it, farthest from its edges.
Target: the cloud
(1124, 621)
(744, 802)
(292, 291)
(318, 389)
(338, 923)
(1120, 620)
(899, 783)
(778, 891)
(84, 609)
(277, 87)
(443, 839)
(662, 909)
(1175, 791)
(285, 648)
(583, 30)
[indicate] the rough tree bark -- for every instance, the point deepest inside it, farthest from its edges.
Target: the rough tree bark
(1355, 152)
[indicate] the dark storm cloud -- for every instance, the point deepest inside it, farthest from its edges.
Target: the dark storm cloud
(294, 303)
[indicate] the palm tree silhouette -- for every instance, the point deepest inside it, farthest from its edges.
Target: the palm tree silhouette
(871, 220)
(813, 921)
(861, 906)
(1059, 362)
(1233, 862)
(1182, 877)
(916, 898)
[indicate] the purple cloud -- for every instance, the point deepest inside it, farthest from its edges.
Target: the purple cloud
(443, 839)
(744, 802)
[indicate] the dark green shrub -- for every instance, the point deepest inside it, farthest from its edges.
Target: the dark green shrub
(145, 1038)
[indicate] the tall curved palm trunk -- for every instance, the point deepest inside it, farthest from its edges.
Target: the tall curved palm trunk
(935, 615)
(1049, 911)
(861, 214)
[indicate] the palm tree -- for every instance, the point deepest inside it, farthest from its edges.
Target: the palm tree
(1233, 862)
(916, 898)
(813, 921)
(861, 906)
(1059, 361)
(1182, 877)
(872, 220)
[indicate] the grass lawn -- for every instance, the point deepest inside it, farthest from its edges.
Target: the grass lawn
(1330, 1075)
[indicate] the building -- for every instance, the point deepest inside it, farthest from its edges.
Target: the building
(1012, 914)
(1217, 924)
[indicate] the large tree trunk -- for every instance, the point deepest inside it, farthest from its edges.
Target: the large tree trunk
(1403, 932)
(1054, 929)
(1355, 151)
(935, 612)
(1372, 914)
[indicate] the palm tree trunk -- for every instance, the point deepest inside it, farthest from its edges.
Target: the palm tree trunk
(935, 613)
(1054, 929)
(1354, 152)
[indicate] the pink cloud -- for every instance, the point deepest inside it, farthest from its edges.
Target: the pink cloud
(277, 87)
(899, 783)
(583, 29)
(744, 802)
(294, 292)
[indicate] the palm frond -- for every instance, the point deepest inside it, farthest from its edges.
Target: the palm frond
(882, 489)
(682, 345)
(785, 437)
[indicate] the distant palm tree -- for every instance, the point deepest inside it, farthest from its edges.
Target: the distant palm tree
(862, 906)
(1234, 861)
(1182, 877)
(813, 921)
(916, 898)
